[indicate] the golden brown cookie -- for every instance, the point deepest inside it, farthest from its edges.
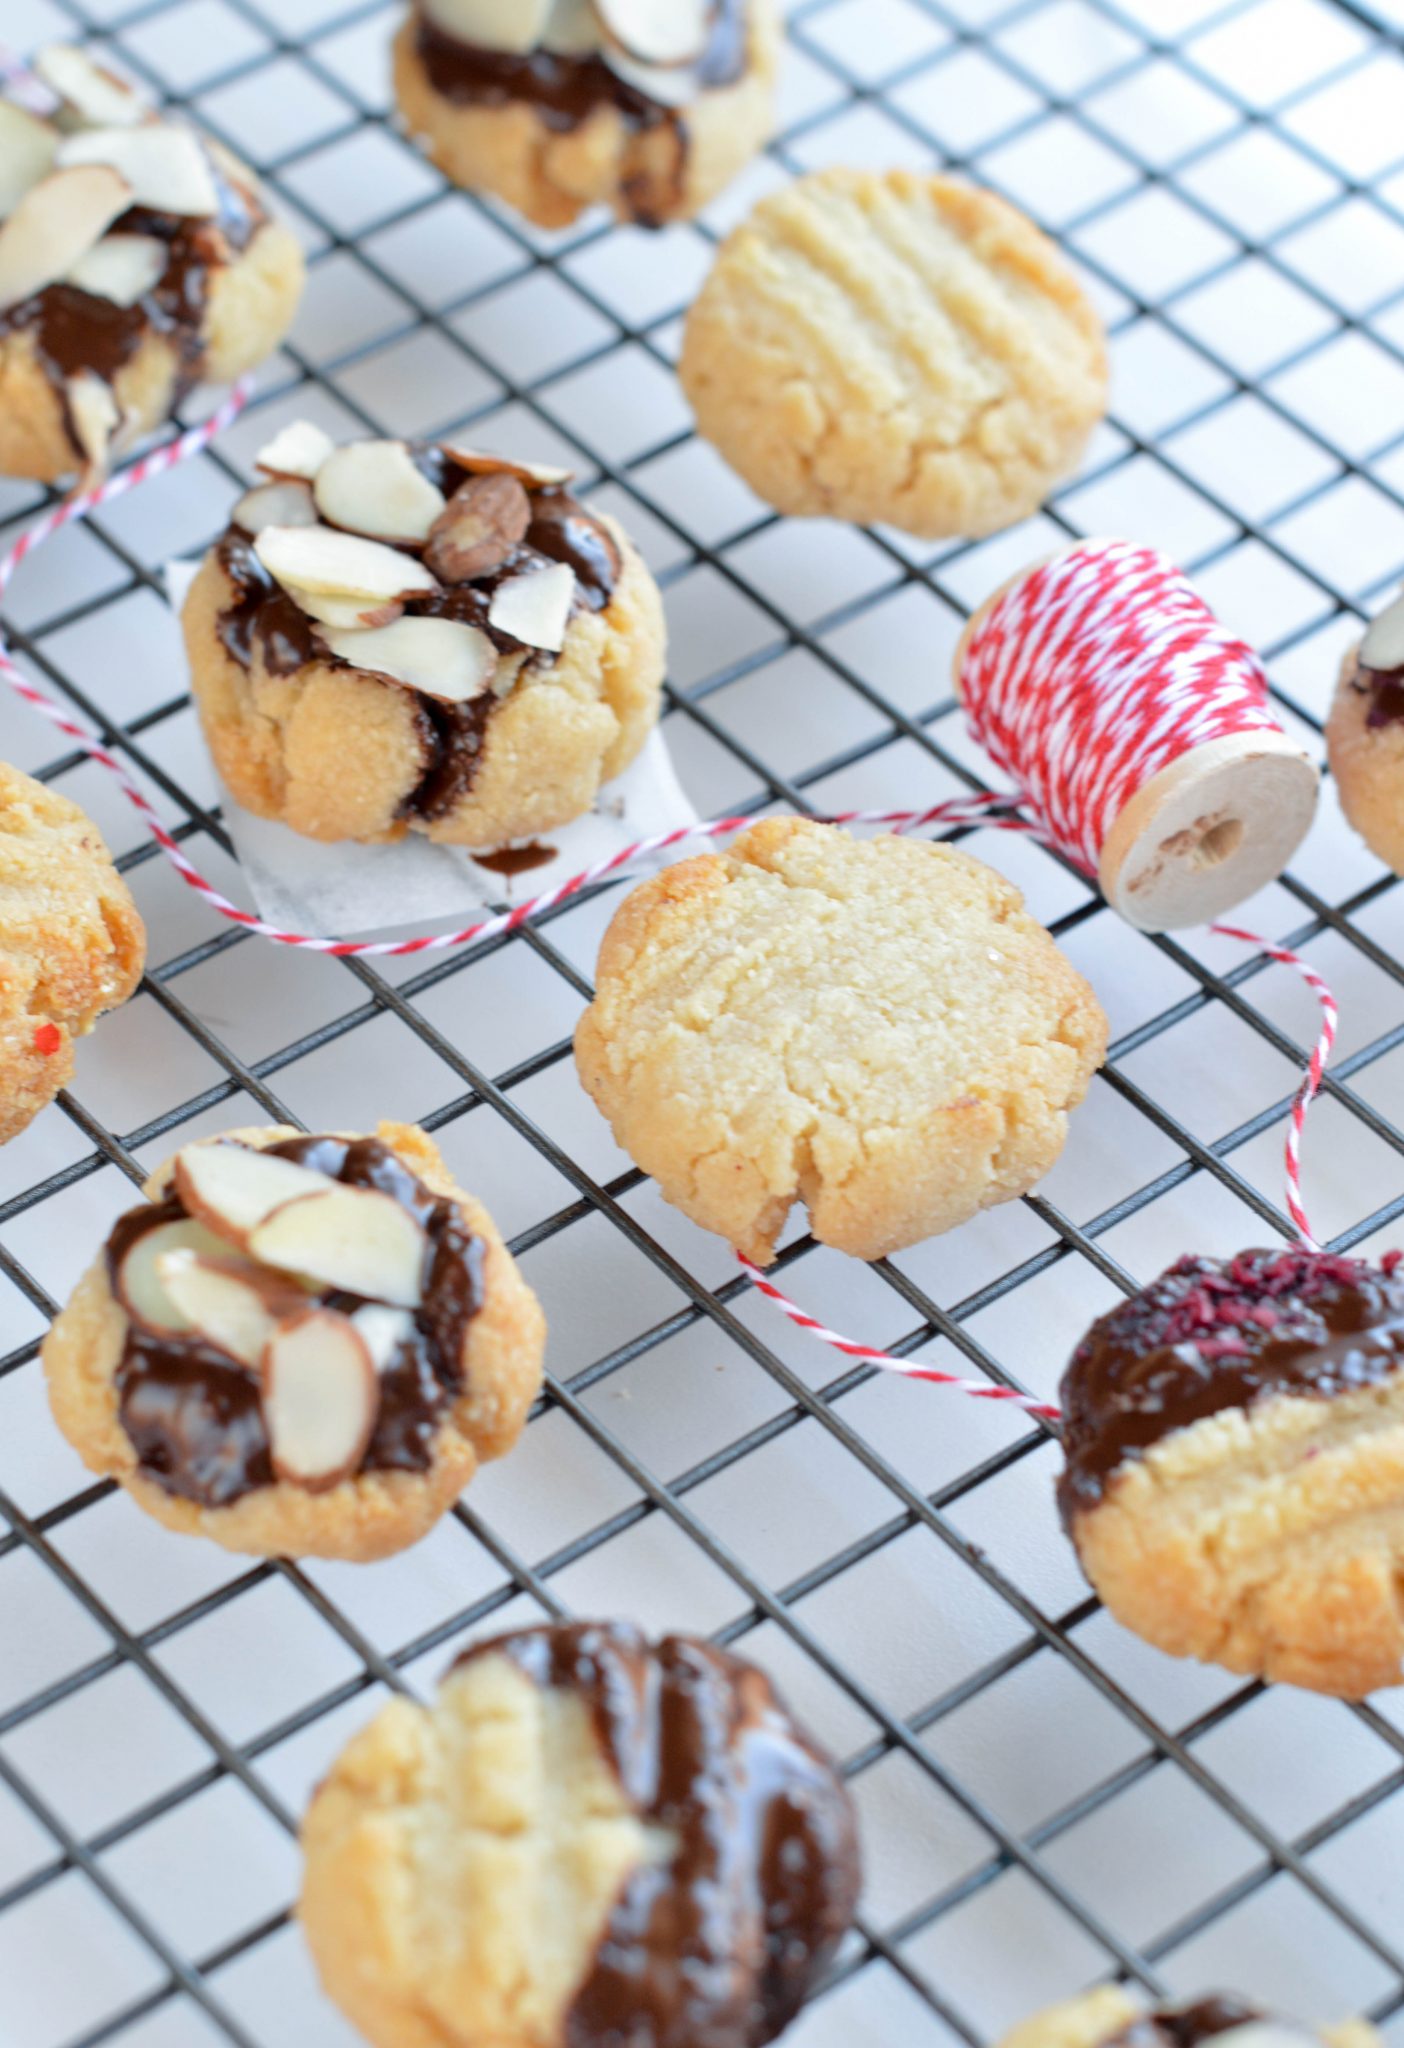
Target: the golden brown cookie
(1111, 2018)
(587, 1839)
(135, 259)
(896, 348)
(550, 104)
(1365, 736)
(1234, 1478)
(299, 1347)
(397, 637)
(876, 1028)
(71, 942)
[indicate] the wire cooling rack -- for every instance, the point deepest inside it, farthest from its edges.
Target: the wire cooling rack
(1045, 1801)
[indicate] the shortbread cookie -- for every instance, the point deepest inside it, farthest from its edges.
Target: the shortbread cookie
(895, 348)
(589, 1840)
(1365, 737)
(648, 107)
(297, 1346)
(71, 942)
(399, 637)
(1111, 2018)
(135, 259)
(1234, 1480)
(876, 1028)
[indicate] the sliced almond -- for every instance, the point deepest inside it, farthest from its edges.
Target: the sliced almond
(96, 416)
(483, 521)
(123, 268)
(442, 657)
(662, 32)
(573, 30)
(93, 96)
(232, 1306)
(231, 1188)
(668, 86)
(353, 1238)
(137, 1282)
(298, 451)
(1382, 649)
(320, 1399)
(535, 608)
(277, 504)
(349, 614)
(514, 26)
(317, 558)
(375, 488)
(383, 1331)
(537, 476)
(55, 224)
(27, 147)
(166, 166)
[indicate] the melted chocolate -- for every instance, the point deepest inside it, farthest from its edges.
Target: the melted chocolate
(717, 1948)
(516, 860)
(566, 90)
(1185, 2026)
(1211, 1334)
(1385, 690)
(195, 1416)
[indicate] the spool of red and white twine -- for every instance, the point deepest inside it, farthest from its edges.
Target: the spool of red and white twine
(1133, 727)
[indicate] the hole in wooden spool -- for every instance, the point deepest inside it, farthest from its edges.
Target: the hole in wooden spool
(1217, 843)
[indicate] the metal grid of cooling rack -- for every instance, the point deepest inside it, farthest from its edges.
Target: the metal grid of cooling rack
(1044, 1801)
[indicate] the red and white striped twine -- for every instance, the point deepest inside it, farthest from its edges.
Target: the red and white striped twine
(1082, 681)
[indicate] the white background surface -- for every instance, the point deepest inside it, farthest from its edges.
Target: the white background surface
(1045, 1801)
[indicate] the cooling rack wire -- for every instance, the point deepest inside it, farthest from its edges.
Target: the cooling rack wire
(1045, 1801)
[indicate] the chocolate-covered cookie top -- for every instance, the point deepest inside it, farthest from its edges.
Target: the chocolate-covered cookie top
(1212, 1334)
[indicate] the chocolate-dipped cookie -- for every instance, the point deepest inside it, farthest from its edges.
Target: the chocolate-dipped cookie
(136, 257)
(1234, 1475)
(1365, 736)
(648, 107)
(588, 1840)
(397, 637)
(298, 1346)
(1111, 2018)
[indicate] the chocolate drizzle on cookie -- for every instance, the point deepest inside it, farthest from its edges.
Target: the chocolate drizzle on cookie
(1186, 2026)
(195, 1416)
(566, 90)
(717, 1947)
(1212, 1334)
(1384, 689)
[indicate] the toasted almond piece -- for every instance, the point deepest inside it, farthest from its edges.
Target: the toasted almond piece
(573, 30)
(1382, 648)
(276, 504)
(320, 1399)
(442, 657)
(354, 1238)
(166, 166)
(535, 608)
(95, 414)
(514, 26)
(27, 147)
(93, 96)
(122, 268)
(662, 32)
(137, 1282)
(231, 1188)
(299, 450)
(231, 1305)
(383, 1331)
(537, 476)
(667, 85)
(319, 559)
(376, 489)
(350, 614)
(55, 223)
(477, 530)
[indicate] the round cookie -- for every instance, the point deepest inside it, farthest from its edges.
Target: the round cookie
(135, 260)
(477, 679)
(1233, 1439)
(895, 348)
(587, 1839)
(298, 1347)
(538, 104)
(1365, 736)
(71, 942)
(874, 1027)
(1110, 2018)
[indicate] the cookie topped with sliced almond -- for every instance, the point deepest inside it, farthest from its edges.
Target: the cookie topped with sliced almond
(305, 1343)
